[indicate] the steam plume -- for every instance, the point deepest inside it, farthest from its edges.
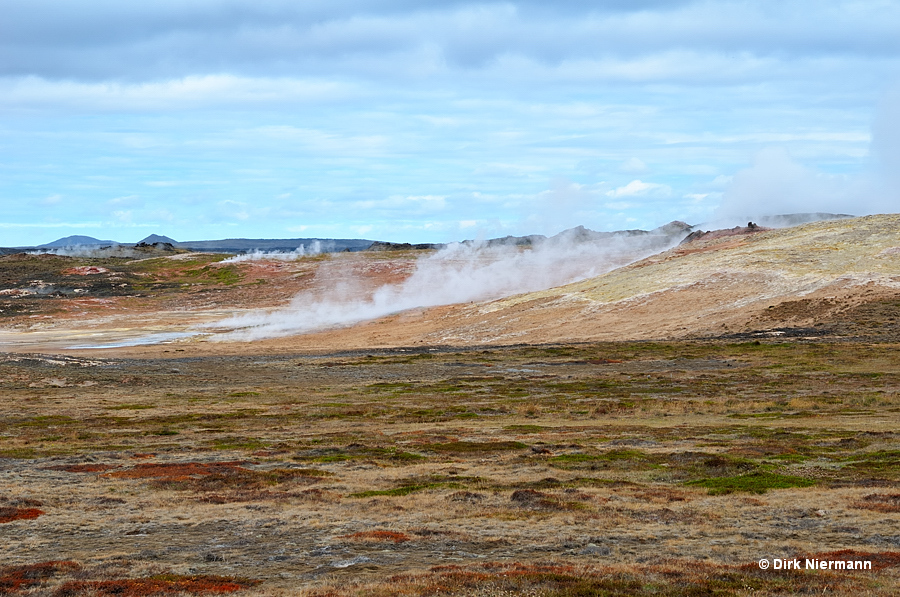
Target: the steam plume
(458, 273)
(302, 251)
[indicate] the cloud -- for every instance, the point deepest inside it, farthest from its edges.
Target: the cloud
(126, 201)
(168, 39)
(413, 204)
(638, 188)
(776, 183)
(886, 142)
(50, 200)
(633, 166)
(188, 92)
(359, 105)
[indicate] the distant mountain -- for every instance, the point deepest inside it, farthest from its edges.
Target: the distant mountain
(156, 238)
(77, 240)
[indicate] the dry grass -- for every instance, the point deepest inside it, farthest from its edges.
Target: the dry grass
(378, 536)
(362, 472)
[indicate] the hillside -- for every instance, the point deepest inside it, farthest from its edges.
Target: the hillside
(833, 278)
(836, 278)
(795, 277)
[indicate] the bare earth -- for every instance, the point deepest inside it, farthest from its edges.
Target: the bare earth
(655, 430)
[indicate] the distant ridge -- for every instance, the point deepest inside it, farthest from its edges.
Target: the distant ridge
(577, 234)
(77, 240)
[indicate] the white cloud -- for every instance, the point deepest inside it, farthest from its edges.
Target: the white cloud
(411, 203)
(777, 184)
(125, 201)
(189, 92)
(696, 197)
(50, 200)
(50, 224)
(638, 188)
(633, 166)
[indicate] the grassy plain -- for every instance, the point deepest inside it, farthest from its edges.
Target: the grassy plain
(630, 468)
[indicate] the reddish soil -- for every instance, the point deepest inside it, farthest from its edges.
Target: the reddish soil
(178, 471)
(8, 514)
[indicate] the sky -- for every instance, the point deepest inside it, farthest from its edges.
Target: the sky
(438, 121)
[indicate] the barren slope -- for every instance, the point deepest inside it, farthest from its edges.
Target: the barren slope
(834, 278)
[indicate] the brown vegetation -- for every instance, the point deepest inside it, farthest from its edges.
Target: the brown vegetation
(152, 587)
(376, 536)
(17, 578)
(880, 502)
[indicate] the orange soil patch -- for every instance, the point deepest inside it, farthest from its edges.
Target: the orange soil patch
(82, 468)
(15, 578)
(379, 536)
(178, 471)
(8, 514)
(164, 585)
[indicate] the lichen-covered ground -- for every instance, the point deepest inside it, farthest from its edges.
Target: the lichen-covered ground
(582, 469)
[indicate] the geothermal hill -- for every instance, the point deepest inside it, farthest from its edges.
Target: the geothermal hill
(834, 278)
(838, 279)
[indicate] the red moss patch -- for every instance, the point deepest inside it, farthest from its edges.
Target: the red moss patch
(176, 471)
(880, 561)
(8, 514)
(379, 536)
(82, 468)
(159, 585)
(880, 502)
(15, 578)
(681, 578)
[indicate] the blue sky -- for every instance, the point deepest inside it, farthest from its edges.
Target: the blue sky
(437, 121)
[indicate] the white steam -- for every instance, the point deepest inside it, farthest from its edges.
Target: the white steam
(92, 251)
(302, 251)
(777, 184)
(458, 273)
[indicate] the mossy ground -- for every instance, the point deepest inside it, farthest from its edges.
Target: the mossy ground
(709, 454)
